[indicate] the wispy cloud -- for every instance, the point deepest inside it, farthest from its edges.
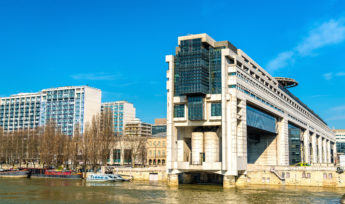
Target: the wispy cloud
(331, 75)
(94, 76)
(328, 33)
(338, 108)
(282, 60)
(337, 113)
(338, 117)
(318, 95)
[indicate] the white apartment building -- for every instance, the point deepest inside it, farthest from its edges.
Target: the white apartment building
(67, 106)
(123, 112)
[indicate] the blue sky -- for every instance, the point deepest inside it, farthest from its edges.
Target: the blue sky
(120, 46)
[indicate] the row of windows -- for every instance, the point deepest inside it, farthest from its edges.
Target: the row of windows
(158, 153)
(282, 95)
(156, 144)
(255, 97)
(179, 110)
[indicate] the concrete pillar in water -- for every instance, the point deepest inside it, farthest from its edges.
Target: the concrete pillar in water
(197, 147)
(229, 181)
(172, 180)
(211, 147)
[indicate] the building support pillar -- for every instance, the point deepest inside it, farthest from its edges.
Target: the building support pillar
(324, 150)
(306, 137)
(229, 181)
(173, 180)
(328, 151)
(283, 142)
(319, 141)
(242, 135)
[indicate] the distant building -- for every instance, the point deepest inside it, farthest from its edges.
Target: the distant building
(159, 126)
(340, 140)
(123, 112)
(132, 144)
(138, 129)
(67, 106)
(156, 149)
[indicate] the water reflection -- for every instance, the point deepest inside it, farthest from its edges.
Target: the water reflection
(77, 191)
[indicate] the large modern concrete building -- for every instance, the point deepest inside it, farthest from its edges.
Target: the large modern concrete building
(225, 112)
(67, 106)
(123, 112)
(340, 140)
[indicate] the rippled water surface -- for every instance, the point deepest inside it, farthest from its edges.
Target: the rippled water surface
(78, 191)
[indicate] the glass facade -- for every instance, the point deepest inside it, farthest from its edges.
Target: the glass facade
(216, 109)
(65, 107)
(179, 111)
(20, 112)
(158, 129)
(294, 144)
(340, 147)
(197, 73)
(197, 68)
(117, 155)
(195, 108)
(260, 120)
(122, 113)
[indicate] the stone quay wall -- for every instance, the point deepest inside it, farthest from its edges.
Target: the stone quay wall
(322, 176)
(139, 174)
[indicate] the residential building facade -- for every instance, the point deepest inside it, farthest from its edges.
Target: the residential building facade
(67, 106)
(156, 149)
(225, 112)
(123, 112)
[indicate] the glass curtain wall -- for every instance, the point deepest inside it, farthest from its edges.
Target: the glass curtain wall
(261, 120)
(294, 144)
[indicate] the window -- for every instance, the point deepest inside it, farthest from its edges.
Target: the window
(195, 108)
(179, 111)
(216, 109)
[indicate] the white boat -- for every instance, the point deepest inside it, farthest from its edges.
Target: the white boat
(105, 177)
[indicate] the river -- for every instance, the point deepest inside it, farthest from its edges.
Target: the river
(39, 190)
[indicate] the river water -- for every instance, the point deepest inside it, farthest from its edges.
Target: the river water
(39, 190)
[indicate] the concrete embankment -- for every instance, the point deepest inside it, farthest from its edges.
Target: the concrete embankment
(318, 176)
(297, 176)
(140, 174)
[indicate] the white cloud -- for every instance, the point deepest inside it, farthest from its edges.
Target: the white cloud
(328, 76)
(328, 33)
(282, 60)
(331, 75)
(338, 108)
(339, 117)
(340, 74)
(94, 76)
